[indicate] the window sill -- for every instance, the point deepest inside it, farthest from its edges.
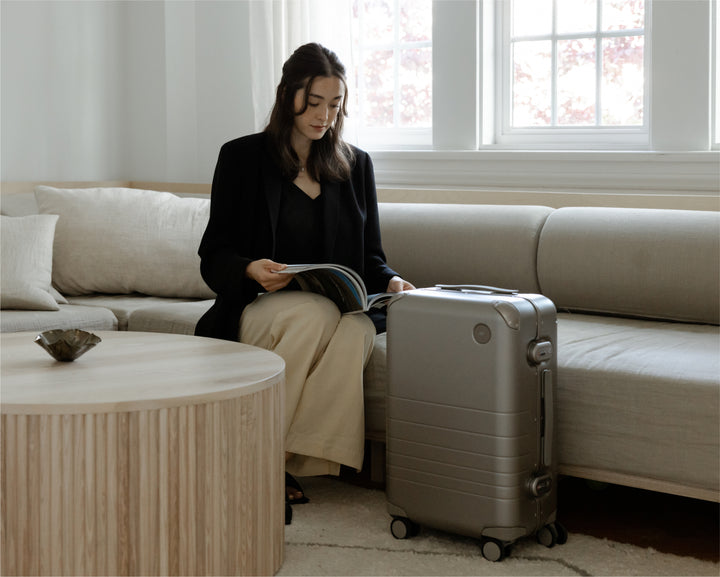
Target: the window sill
(558, 171)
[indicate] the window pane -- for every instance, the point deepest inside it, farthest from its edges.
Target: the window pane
(393, 44)
(623, 81)
(623, 14)
(576, 82)
(379, 87)
(378, 19)
(416, 87)
(531, 17)
(576, 16)
(532, 87)
(415, 21)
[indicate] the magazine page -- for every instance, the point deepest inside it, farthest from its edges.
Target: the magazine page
(382, 300)
(339, 283)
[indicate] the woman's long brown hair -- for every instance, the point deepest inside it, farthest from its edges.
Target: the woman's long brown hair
(330, 157)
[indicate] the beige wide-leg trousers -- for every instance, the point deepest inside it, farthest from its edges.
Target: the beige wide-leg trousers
(325, 353)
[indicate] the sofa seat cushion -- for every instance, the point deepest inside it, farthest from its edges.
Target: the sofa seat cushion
(123, 306)
(178, 317)
(67, 317)
(639, 398)
(375, 388)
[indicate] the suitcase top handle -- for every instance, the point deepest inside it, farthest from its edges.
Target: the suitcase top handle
(477, 288)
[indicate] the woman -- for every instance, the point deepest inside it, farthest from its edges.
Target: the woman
(296, 193)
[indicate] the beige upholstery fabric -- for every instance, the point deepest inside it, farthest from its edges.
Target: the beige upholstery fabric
(649, 263)
(67, 317)
(18, 204)
(375, 387)
(119, 241)
(26, 258)
(640, 397)
(179, 318)
(463, 244)
(123, 306)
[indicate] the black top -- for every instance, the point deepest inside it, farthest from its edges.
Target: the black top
(299, 229)
(244, 226)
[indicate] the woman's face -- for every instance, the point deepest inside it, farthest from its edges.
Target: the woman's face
(324, 102)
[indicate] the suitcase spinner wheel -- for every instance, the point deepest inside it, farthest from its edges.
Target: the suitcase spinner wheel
(494, 550)
(403, 528)
(552, 534)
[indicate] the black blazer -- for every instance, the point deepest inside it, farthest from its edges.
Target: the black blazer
(244, 209)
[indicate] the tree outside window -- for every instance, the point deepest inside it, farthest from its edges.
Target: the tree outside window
(392, 40)
(577, 63)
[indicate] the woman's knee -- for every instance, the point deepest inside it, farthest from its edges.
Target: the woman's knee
(277, 314)
(313, 310)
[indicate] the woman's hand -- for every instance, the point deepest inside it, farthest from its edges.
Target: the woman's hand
(397, 285)
(264, 272)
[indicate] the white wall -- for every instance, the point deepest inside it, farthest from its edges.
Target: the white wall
(97, 90)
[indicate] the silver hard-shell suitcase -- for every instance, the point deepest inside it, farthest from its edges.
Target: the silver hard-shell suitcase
(471, 379)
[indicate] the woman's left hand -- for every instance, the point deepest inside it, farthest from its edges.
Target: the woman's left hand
(397, 285)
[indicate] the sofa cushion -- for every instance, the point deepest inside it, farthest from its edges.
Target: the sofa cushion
(66, 317)
(18, 204)
(640, 397)
(177, 318)
(463, 244)
(374, 389)
(120, 241)
(636, 262)
(123, 306)
(26, 262)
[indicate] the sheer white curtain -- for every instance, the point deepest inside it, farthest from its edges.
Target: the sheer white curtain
(278, 27)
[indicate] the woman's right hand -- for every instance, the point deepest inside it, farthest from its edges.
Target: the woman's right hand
(264, 272)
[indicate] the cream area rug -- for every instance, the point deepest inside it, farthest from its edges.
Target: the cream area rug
(345, 530)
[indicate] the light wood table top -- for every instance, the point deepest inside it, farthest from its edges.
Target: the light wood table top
(129, 371)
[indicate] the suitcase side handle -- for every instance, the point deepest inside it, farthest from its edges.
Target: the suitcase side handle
(477, 288)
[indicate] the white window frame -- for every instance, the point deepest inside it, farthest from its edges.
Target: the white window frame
(553, 137)
(395, 137)
(677, 158)
(715, 82)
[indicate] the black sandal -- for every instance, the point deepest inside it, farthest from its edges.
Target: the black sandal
(291, 482)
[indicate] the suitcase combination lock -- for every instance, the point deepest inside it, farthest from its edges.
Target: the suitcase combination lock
(540, 351)
(541, 485)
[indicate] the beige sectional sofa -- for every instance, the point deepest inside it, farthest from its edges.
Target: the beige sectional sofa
(637, 292)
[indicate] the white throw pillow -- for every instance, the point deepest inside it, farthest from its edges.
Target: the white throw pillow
(26, 257)
(124, 240)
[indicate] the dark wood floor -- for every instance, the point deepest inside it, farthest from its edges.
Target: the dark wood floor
(667, 523)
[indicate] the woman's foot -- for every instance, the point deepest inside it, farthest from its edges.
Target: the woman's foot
(294, 493)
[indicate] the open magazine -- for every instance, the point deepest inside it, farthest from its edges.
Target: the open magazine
(340, 284)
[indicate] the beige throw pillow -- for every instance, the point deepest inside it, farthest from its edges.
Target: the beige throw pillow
(123, 240)
(26, 257)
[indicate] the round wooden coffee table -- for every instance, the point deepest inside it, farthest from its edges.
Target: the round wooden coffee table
(152, 454)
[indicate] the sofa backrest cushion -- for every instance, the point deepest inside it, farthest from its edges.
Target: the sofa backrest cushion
(121, 240)
(492, 245)
(26, 258)
(18, 204)
(635, 262)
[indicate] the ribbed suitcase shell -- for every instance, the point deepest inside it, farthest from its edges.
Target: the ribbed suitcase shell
(470, 412)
